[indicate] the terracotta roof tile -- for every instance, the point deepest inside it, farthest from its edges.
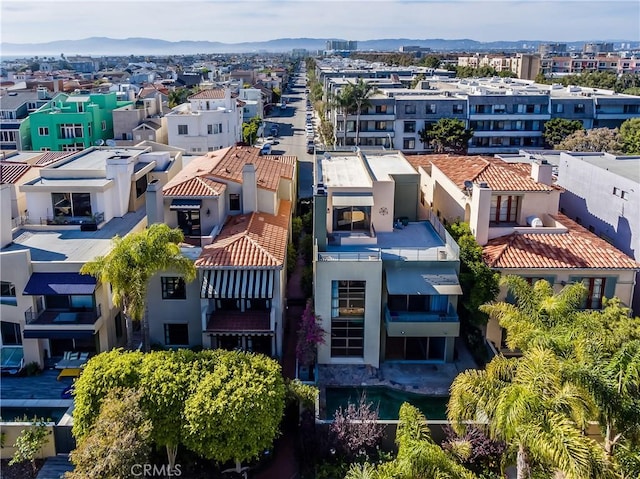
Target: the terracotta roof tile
(251, 240)
(577, 248)
(269, 169)
(498, 174)
(198, 186)
(11, 172)
(51, 157)
(213, 94)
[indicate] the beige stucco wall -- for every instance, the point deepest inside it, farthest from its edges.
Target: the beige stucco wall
(12, 430)
(369, 271)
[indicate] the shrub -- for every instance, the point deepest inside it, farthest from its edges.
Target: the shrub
(32, 369)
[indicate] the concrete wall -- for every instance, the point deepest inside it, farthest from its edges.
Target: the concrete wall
(12, 430)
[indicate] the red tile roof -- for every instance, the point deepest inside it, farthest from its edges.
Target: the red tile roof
(51, 157)
(11, 172)
(269, 169)
(198, 186)
(498, 174)
(251, 240)
(577, 248)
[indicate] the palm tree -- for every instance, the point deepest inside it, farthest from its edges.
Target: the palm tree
(526, 403)
(362, 92)
(131, 263)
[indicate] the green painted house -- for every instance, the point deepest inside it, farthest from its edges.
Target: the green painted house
(74, 122)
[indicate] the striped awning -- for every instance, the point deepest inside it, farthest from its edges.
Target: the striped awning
(237, 283)
(180, 204)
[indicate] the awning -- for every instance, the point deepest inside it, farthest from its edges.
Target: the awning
(178, 204)
(57, 334)
(418, 279)
(60, 283)
(351, 199)
(237, 283)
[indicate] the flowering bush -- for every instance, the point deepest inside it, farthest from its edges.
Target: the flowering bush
(310, 334)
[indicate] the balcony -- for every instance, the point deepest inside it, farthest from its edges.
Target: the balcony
(86, 223)
(422, 323)
(62, 318)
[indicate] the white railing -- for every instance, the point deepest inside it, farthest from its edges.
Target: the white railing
(350, 256)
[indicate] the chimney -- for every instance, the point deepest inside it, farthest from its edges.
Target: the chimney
(154, 203)
(5, 215)
(541, 172)
(249, 189)
(119, 168)
(480, 210)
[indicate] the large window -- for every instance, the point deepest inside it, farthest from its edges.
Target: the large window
(71, 130)
(349, 218)
(71, 204)
(176, 334)
(504, 209)
(347, 318)
(141, 186)
(595, 292)
(183, 129)
(431, 108)
(234, 202)
(409, 109)
(381, 108)
(409, 126)
(408, 143)
(10, 333)
(8, 293)
(173, 287)
(189, 222)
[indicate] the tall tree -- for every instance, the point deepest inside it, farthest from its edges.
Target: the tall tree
(447, 135)
(596, 139)
(528, 404)
(119, 441)
(557, 129)
(132, 262)
(362, 93)
(630, 136)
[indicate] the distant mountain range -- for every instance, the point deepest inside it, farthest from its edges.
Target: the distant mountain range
(149, 46)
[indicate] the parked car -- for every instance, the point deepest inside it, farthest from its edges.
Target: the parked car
(266, 149)
(310, 146)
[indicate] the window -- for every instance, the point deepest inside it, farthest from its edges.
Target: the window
(71, 130)
(347, 318)
(381, 108)
(217, 128)
(8, 136)
(409, 143)
(176, 334)
(458, 108)
(630, 108)
(10, 333)
(499, 108)
(234, 202)
(530, 108)
(43, 131)
(380, 125)
(209, 129)
(504, 209)
(8, 293)
(71, 204)
(118, 325)
(104, 125)
(595, 292)
(173, 287)
(350, 218)
(560, 108)
(183, 130)
(189, 222)
(431, 109)
(409, 126)
(578, 108)
(141, 186)
(410, 109)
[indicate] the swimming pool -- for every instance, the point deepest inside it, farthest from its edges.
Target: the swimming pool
(15, 414)
(388, 401)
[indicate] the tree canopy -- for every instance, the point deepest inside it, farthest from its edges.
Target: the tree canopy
(596, 140)
(630, 136)
(447, 135)
(557, 129)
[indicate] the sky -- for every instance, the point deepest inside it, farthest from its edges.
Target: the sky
(236, 21)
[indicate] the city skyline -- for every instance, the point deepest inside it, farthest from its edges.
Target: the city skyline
(484, 21)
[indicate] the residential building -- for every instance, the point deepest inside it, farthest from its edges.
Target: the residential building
(525, 66)
(597, 47)
(385, 284)
(74, 122)
(349, 45)
(142, 120)
(601, 194)
(15, 107)
(253, 103)
(513, 212)
(546, 49)
(234, 208)
(211, 120)
(77, 205)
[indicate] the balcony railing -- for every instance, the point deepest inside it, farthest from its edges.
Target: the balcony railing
(351, 256)
(420, 316)
(62, 318)
(94, 219)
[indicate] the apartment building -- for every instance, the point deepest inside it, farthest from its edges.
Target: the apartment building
(505, 114)
(76, 206)
(566, 64)
(525, 66)
(513, 211)
(234, 208)
(385, 284)
(211, 120)
(142, 120)
(74, 122)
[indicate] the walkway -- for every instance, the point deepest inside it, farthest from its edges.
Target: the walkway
(55, 467)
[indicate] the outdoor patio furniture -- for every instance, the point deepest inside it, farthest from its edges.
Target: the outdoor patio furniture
(72, 360)
(12, 358)
(69, 373)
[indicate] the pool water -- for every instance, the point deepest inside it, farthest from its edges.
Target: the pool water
(388, 401)
(15, 414)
